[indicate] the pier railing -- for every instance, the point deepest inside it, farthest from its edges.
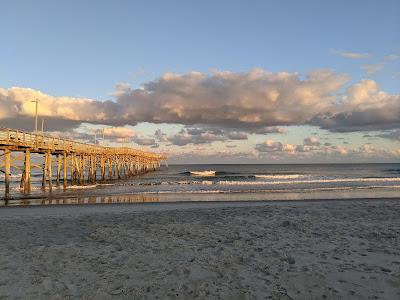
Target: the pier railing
(17, 139)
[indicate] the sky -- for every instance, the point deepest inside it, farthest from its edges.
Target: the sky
(209, 81)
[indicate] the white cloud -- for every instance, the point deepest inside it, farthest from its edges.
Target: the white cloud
(352, 55)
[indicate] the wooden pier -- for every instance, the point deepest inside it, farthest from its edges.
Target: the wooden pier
(75, 163)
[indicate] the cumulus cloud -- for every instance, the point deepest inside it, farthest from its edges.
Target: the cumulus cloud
(351, 55)
(313, 150)
(246, 102)
(16, 103)
(364, 107)
(274, 146)
(237, 100)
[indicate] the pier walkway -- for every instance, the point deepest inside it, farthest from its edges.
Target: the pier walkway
(74, 162)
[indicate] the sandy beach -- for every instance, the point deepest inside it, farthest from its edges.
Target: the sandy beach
(245, 250)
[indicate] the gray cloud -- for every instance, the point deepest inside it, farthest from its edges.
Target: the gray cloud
(185, 137)
(235, 135)
(311, 141)
(392, 135)
(274, 146)
(201, 135)
(144, 141)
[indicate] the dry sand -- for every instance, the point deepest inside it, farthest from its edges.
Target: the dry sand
(278, 250)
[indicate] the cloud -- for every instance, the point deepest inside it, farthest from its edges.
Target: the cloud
(373, 69)
(314, 151)
(185, 137)
(311, 141)
(364, 107)
(352, 55)
(230, 146)
(160, 136)
(200, 135)
(274, 146)
(392, 135)
(145, 141)
(270, 129)
(392, 57)
(235, 135)
(16, 103)
(239, 102)
(234, 100)
(117, 132)
(27, 123)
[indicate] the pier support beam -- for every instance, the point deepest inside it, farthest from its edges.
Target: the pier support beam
(44, 171)
(49, 171)
(58, 169)
(65, 166)
(7, 175)
(103, 168)
(26, 173)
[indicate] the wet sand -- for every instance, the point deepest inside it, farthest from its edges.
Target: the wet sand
(244, 250)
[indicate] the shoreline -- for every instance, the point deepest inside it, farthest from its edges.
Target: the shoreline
(142, 198)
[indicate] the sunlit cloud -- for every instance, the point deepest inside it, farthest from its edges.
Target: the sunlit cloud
(215, 107)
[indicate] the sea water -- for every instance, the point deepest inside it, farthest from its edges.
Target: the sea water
(227, 183)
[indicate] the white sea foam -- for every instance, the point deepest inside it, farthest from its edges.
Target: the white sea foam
(306, 190)
(203, 173)
(206, 182)
(77, 187)
(386, 179)
(260, 182)
(12, 176)
(279, 176)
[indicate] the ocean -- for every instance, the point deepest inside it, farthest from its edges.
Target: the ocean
(224, 182)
